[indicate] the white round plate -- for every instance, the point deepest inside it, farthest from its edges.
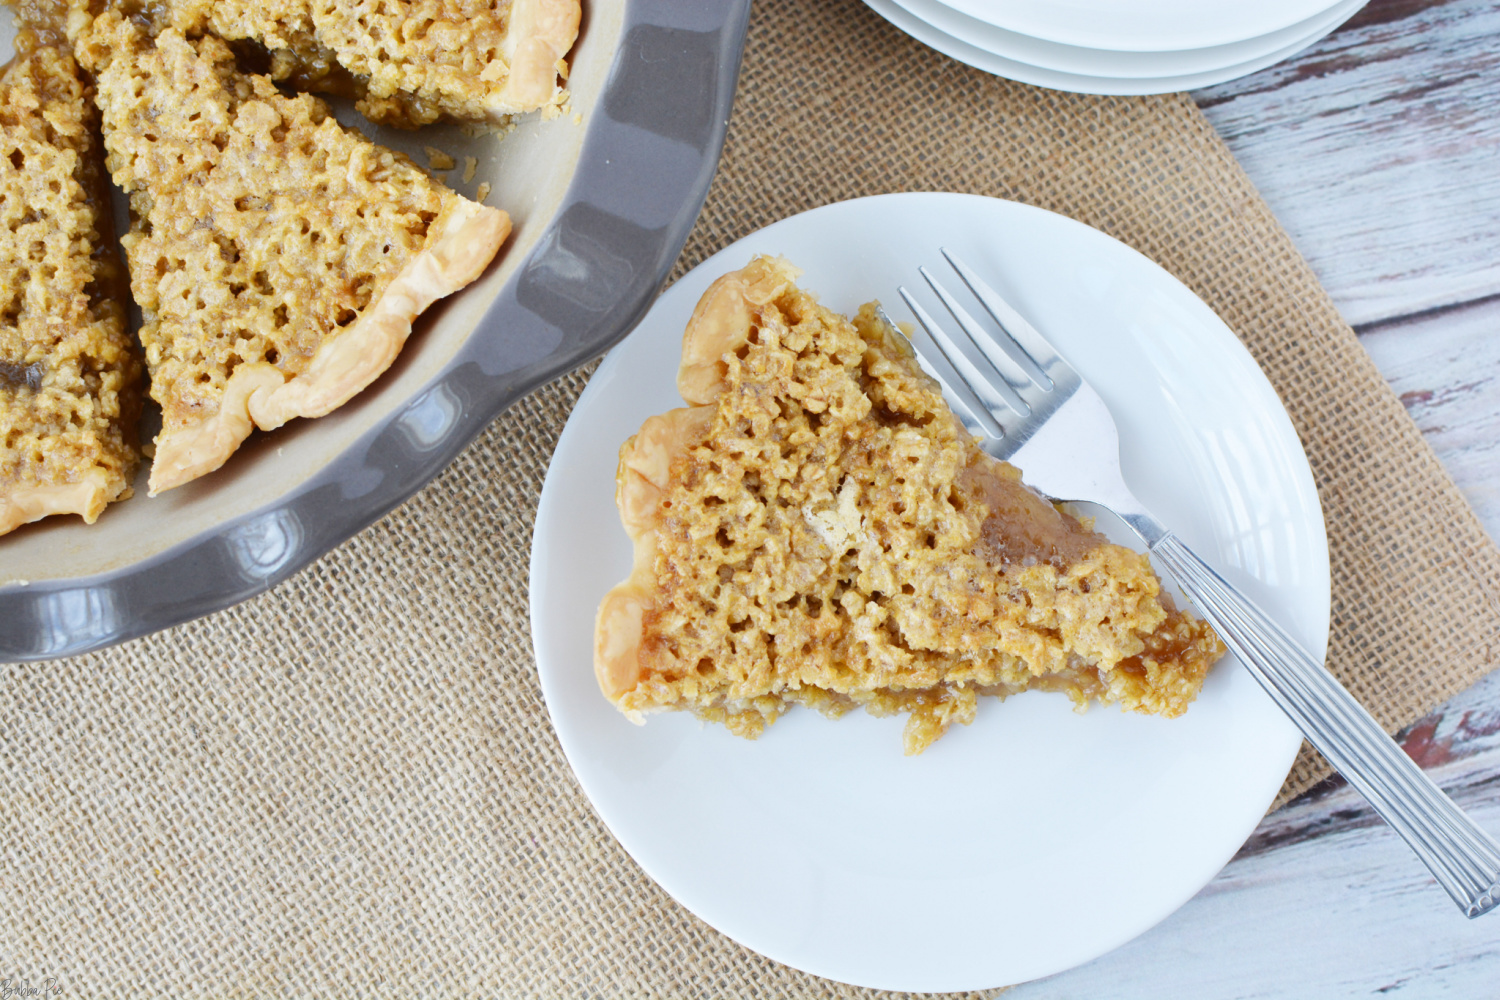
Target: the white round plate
(1036, 838)
(1013, 69)
(1142, 25)
(1110, 63)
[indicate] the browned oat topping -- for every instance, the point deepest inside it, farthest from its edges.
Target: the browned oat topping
(69, 396)
(409, 62)
(819, 528)
(278, 258)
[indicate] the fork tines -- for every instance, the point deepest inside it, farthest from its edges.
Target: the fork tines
(1009, 378)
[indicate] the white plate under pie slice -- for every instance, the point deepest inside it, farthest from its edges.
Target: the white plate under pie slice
(1037, 838)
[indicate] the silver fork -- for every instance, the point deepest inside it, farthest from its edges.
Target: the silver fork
(1031, 408)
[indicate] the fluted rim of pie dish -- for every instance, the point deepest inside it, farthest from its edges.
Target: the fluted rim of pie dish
(614, 265)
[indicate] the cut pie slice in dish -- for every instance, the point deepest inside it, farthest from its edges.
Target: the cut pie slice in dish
(279, 259)
(817, 527)
(409, 61)
(69, 378)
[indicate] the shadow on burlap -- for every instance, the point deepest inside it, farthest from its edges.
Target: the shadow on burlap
(349, 786)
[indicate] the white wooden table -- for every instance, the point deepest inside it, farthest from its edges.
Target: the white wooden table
(1379, 150)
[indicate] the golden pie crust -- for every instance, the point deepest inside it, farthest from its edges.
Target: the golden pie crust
(279, 259)
(69, 380)
(818, 528)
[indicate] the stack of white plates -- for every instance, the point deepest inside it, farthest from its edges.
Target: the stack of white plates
(1118, 46)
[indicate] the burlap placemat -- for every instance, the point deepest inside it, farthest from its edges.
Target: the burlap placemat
(349, 785)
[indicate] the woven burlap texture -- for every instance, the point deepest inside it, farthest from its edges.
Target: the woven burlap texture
(349, 786)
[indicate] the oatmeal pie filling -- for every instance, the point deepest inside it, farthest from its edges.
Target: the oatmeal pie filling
(69, 378)
(278, 258)
(407, 62)
(817, 527)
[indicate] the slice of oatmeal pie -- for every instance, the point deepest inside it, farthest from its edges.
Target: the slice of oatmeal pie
(409, 62)
(69, 377)
(818, 528)
(279, 259)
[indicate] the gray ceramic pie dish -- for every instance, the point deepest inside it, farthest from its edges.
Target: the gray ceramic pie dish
(653, 82)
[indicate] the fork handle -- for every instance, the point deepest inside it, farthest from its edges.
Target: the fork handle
(1464, 858)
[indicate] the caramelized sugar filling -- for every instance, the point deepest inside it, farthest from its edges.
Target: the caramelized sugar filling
(1022, 528)
(15, 376)
(39, 24)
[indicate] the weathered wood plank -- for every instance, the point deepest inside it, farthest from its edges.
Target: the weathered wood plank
(1379, 150)
(1460, 742)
